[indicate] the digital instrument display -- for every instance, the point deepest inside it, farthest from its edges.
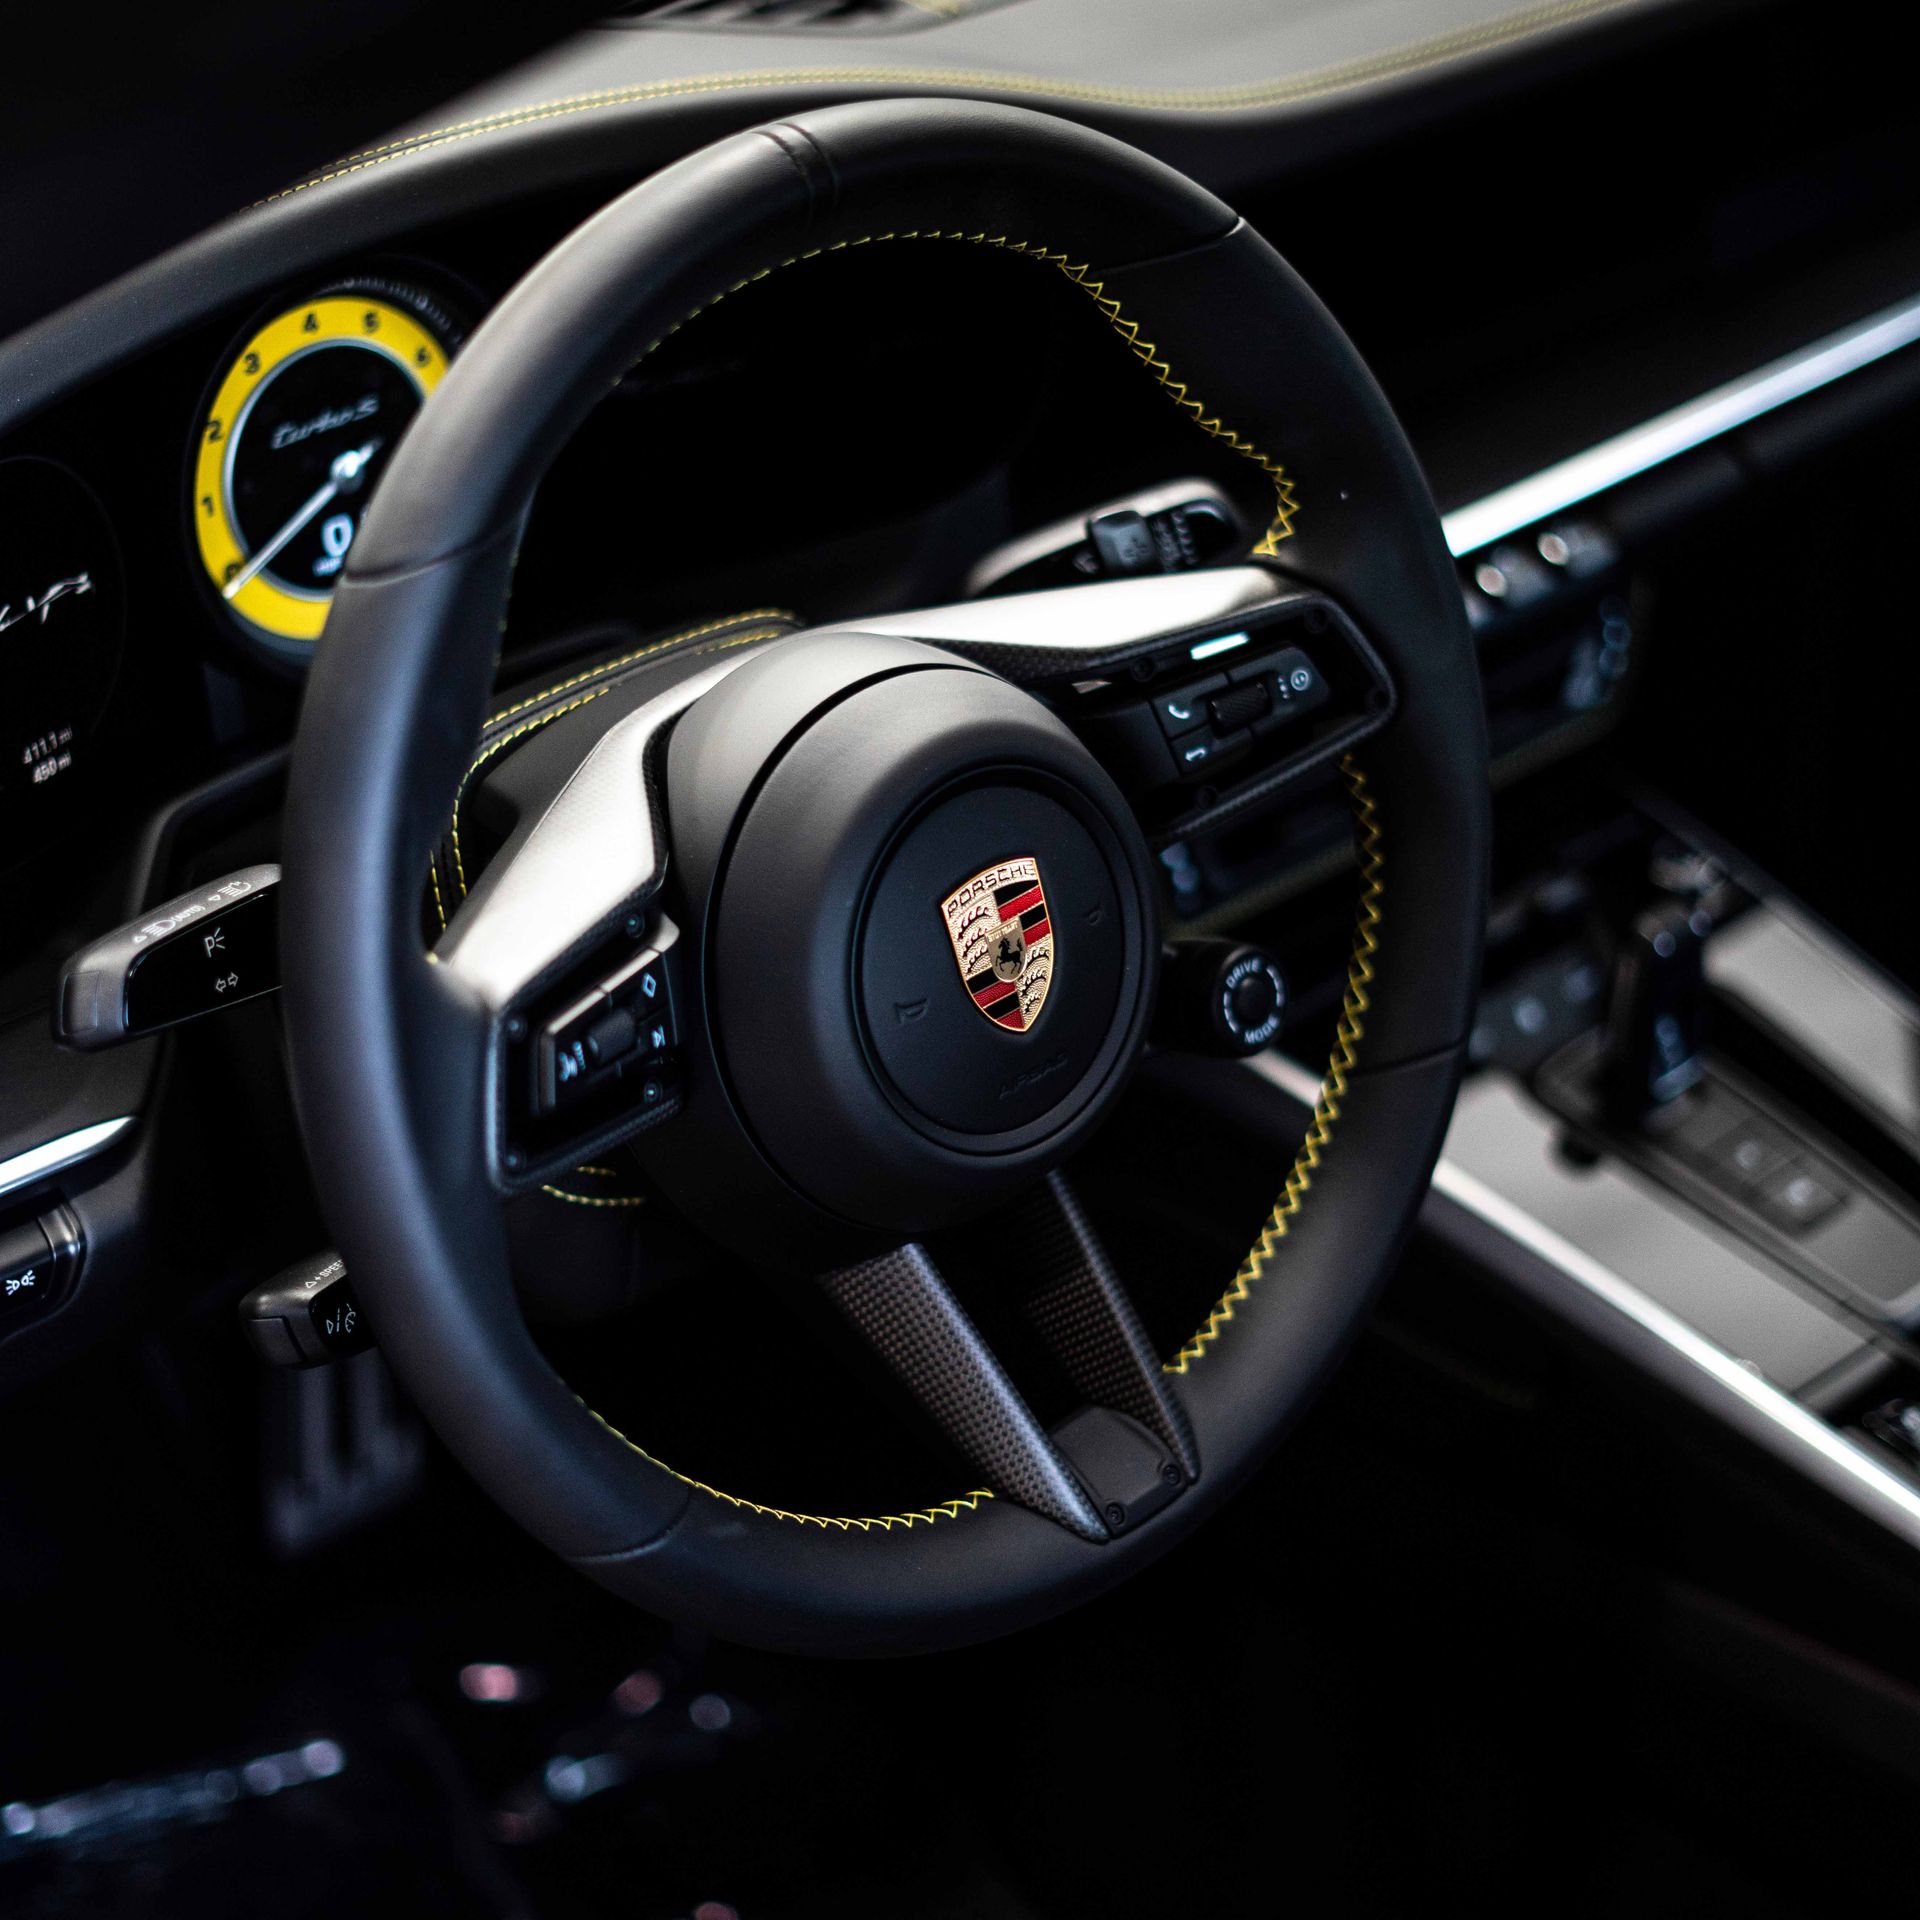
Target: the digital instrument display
(62, 622)
(292, 442)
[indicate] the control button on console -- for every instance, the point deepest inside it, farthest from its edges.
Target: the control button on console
(1253, 997)
(1796, 1197)
(1749, 1154)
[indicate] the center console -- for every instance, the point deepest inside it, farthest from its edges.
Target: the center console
(1687, 1136)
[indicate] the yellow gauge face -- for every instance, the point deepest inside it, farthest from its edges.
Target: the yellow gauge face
(291, 447)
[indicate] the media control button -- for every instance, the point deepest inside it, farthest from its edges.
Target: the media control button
(1240, 706)
(564, 1062)
(1293, 683)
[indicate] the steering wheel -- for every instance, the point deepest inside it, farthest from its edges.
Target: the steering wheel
(795, 842)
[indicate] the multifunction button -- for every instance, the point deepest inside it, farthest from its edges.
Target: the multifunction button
(625, 1025)
(1214, 720)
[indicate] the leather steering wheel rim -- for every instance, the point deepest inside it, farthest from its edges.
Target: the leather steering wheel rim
(390, 1092)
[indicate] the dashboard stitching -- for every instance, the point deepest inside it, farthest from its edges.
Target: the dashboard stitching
(1342, 76)
(1333, 1088)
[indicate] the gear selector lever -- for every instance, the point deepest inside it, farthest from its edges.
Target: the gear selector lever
(1657, 1015)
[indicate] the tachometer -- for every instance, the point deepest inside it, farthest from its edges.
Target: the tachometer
(292, 444)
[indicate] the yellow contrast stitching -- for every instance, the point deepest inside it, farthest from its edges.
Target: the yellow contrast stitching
(841, 1523)
(1286, 502)
(639, 653)
(1341, 77)
(594, 1199)
(492, 747)
(1326, 1109)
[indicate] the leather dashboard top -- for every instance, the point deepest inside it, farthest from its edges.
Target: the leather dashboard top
(1177, 57)
(1232, 91)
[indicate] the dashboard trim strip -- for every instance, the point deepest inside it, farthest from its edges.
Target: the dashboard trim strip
(1703, 1372)
(1681, 429)
(55, 1156)
(1644, 1332)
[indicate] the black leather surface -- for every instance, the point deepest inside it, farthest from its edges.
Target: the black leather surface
(395, 699)
(1231, 91)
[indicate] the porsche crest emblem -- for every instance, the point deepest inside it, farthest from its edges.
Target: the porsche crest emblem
(1003, 941)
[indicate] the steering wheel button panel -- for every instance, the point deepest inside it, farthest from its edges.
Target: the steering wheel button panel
(1293, 685)
(626, 1019)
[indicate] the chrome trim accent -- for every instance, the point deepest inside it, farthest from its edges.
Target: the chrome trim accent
(1858, 1026)
(1099, 618)
(1704, 1373)
(594, 847)
(1615, 1311)
(1681, 429)
(55, 1156)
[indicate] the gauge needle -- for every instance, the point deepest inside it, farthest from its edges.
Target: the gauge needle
(342, 477)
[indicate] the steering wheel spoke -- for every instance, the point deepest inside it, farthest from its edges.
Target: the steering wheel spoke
(901, 1305)
(1076, 1304)
(1120, 1458)
(563, 946)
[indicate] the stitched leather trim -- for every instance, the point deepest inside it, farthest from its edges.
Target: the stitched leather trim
(1333, 1088)
(839, 1523)
(585, 686)
(1286, 502)
(1400, 63)
(594, 1199)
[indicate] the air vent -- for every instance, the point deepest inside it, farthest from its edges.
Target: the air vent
(799, 16)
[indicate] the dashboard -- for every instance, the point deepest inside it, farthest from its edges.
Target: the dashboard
(1641, 278)
(1579, 340)
(184, 456)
